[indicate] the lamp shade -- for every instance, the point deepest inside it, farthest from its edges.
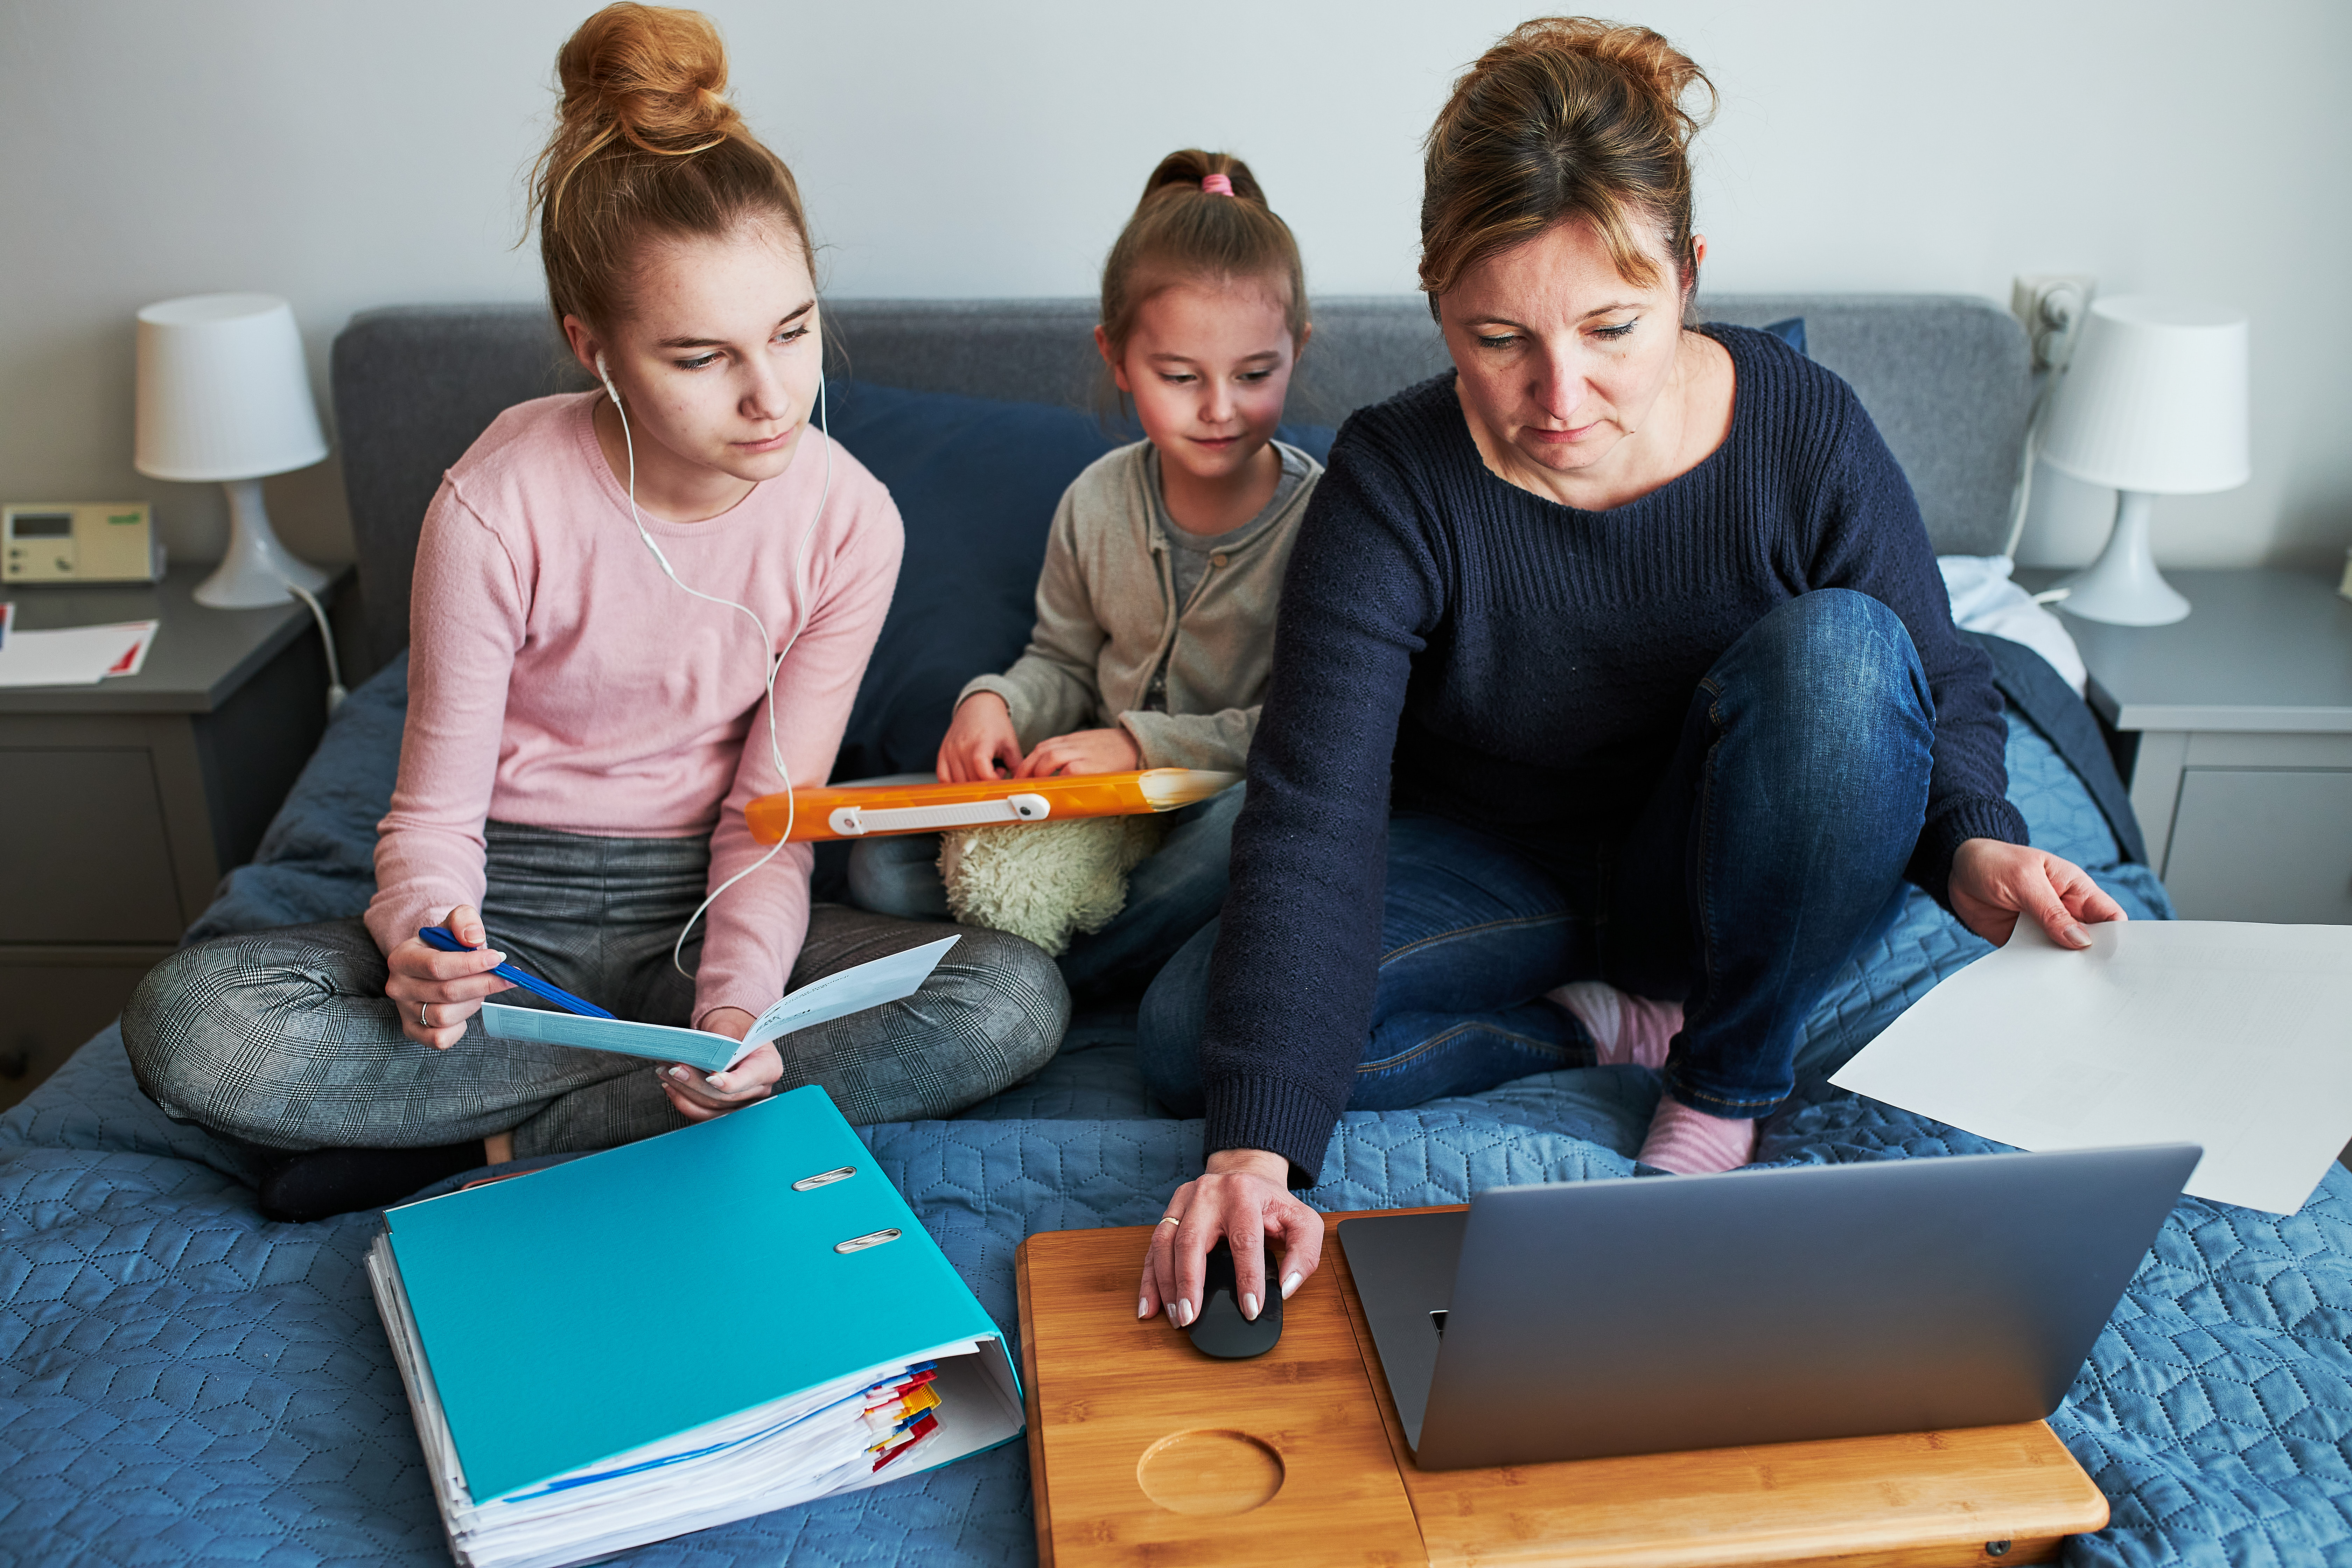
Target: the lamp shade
(2155, 401)
(222, 390)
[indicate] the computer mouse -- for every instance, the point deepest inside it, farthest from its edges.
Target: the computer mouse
(1221, 1331)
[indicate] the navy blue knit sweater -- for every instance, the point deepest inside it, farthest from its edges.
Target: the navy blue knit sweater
(1451, 643)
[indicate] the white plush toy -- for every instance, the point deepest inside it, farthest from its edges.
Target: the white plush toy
(1047, 879)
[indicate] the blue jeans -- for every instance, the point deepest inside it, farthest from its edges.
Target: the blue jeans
(1170, 894)
(1772, 847)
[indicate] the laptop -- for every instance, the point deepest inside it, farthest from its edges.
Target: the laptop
(1649, 1315)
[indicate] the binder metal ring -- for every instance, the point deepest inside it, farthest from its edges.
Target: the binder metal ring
(824, 1178)
(871, 1238)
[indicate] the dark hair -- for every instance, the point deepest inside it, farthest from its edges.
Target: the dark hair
(646, 143)
(1567, 117)
(1181, 232)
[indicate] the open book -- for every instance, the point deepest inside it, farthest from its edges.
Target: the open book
(885, 980)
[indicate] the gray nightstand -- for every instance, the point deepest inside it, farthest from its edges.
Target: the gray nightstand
(2234, 731)
(122, 803)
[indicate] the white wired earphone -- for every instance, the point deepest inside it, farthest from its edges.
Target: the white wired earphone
(775, 663)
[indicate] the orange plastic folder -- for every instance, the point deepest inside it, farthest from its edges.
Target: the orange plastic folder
(874, 811)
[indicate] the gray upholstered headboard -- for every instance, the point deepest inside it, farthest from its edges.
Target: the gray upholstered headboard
(1946, 377)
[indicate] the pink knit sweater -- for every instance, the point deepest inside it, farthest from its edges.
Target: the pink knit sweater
(556, 679)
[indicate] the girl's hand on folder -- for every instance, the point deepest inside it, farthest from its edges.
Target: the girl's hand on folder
(701, 1096)
(1245, 1197)
(1994, 883)
(1112, 751)
(447, 987)
(981, 746)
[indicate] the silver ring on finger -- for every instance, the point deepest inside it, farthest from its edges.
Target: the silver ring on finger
(425, 1014)
(1171, 1219)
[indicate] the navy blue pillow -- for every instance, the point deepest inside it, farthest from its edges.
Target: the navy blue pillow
(1791, 331)
(976, 482)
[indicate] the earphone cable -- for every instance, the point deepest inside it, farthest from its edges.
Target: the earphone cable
(775, 661)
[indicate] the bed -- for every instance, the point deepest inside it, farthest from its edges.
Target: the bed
(182, 1382)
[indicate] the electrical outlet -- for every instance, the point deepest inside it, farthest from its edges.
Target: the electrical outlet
(2052, 305)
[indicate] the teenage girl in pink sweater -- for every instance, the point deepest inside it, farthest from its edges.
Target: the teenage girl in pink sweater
(603, 587)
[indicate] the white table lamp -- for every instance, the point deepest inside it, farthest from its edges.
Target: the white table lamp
(224, 395)
(2154, 404)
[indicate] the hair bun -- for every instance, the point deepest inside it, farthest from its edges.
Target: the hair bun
(1648, 63)
(645, 142)
(651, 75)
(1567, 117)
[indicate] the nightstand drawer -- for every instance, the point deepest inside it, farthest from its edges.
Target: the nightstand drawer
(2263, 844)
(83, 849)
(57, 998)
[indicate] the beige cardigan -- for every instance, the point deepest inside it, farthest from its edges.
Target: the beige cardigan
(1106, 620)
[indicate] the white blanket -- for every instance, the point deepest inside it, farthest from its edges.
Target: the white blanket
(1985, 600)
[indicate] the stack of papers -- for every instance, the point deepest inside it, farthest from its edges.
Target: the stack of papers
(737, 1317)
(76, 656)
(2234, 1036)
(778, 1454)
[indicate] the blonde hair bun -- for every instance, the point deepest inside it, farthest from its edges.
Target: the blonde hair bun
(652, 75)
(645, 142)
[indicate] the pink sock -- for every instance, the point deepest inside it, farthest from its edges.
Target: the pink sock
(1691, 1142)
(1624, 1029)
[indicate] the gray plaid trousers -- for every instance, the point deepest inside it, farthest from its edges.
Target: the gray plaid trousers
(285, 1038)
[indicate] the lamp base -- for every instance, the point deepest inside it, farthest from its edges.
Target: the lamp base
(254, 571)
(2122, 586)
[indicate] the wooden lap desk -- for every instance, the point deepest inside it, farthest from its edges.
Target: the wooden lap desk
(1143, 1451)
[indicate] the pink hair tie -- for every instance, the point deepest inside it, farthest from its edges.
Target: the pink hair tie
(1217, 186)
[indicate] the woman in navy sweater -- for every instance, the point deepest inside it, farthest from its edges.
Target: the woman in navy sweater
(1613, 669)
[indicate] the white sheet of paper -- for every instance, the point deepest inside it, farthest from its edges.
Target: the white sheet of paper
(657, 1042)
(2234, 1036)
(135, 660)
(76, 656)
(851, 991)
(884, 980)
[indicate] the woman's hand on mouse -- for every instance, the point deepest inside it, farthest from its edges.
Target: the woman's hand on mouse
(700, 1096)
(980, 740)
(1245, 1197)
(1994, 883)
(1112, 751)
(436, 991)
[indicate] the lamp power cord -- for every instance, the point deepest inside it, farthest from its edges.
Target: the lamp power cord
(335, 692)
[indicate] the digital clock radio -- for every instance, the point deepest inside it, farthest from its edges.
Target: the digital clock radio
(89, 543)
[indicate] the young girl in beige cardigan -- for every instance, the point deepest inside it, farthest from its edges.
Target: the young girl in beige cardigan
(1156, 607)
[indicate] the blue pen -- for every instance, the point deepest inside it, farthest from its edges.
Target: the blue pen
(436, 936)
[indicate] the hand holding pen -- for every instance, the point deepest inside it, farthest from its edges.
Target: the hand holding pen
(436, 991)
(697, 1096)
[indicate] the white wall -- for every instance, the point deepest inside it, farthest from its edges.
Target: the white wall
(350, 155)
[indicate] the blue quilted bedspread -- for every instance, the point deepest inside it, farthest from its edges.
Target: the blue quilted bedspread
(186, 1383)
